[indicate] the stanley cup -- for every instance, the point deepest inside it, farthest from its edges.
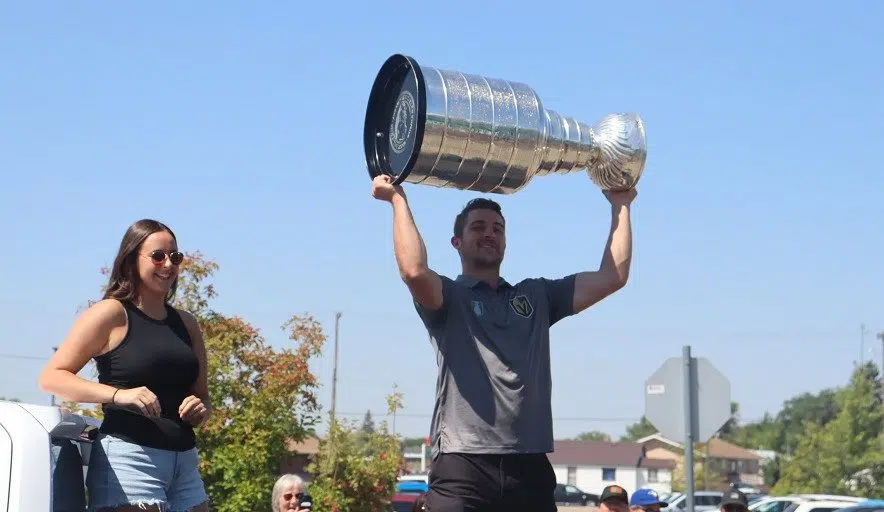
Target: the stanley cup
(450, 129)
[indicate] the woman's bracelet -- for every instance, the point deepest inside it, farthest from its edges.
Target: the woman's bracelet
(114, 395)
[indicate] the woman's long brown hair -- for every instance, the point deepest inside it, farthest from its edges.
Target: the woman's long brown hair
(124, 281)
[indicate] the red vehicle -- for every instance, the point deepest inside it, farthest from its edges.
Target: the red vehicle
(403, 501)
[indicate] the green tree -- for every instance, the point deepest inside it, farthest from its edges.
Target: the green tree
(732, 424)
(394, 403)
(771, 471)
(367, 423)
(356, 471)
(780, 432)
(819, 408)
(638, 430)
(679, 477)
(764, 434)
(828, 457)
(409, 443)
(263, 398)
(593, 435)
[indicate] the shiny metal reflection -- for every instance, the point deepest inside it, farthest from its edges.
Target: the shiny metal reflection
(494, 136)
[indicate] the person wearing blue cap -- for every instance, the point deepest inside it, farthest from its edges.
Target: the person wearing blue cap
(646, 499)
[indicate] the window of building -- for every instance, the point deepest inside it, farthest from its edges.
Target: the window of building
(572, 475)
(608, 474)
(652, 476)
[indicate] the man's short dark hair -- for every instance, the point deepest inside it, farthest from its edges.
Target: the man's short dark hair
(479, 203)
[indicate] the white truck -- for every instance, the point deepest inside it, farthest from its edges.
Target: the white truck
(44, 453)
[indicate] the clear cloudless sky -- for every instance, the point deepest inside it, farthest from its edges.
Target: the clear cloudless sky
(758, 226)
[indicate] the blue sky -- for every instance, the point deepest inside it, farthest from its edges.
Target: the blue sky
(757, 226)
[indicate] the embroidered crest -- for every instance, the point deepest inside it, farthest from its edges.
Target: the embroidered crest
(522, 306)
(478, 308)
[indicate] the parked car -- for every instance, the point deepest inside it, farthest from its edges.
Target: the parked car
(670, 497)
(44, 454)
(416, 477)
(822, 505)
(403, 501)
(774, 503)
(412, 486)
(831, 497)
(570, 495)
(865, 506)
(703, 501)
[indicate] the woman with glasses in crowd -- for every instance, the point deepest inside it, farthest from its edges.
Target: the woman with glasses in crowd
(288, 495)
(152, 383)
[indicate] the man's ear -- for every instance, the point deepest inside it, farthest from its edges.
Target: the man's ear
(455, 242)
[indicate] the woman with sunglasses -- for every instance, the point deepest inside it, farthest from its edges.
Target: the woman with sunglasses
(152, 382)
(288, 495)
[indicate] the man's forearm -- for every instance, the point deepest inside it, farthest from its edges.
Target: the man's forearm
(591, 287)
(408, 246)
(617, 257)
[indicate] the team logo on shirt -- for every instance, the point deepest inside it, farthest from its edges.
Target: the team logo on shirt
(478, 308)
(522, 306)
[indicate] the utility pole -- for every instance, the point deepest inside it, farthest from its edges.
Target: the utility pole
(881, 337)
(862, 343)
(52, 396)
(335, 369)
(396, 409)
(689, 427)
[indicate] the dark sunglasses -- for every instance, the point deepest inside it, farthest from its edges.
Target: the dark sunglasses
(288, 496)
(158, 257)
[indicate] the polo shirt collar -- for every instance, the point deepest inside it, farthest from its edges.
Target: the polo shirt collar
(473, 282)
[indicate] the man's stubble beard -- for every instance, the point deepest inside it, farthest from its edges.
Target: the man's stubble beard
(480, 263)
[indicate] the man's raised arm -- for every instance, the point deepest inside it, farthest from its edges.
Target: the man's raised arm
(592, 287)
(408, 246)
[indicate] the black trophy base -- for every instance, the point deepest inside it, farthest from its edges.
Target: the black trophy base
(395, 119)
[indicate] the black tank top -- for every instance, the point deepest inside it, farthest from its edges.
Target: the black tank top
(156, 354)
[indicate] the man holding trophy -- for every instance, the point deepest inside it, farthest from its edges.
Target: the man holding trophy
(492, 421)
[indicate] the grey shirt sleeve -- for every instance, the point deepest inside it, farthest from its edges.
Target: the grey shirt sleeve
(560, 297)
(433, 319)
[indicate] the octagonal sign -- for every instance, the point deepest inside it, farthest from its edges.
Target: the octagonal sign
(665, 399)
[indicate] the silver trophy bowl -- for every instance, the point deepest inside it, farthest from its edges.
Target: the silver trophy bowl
(450, 129)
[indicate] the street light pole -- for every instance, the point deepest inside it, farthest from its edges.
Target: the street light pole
(52, 396)
(881, 337)
(862, 343)
(334, 400)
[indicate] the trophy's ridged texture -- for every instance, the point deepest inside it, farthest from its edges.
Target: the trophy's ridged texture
(621, 141)
(480, 134)
(489, 135)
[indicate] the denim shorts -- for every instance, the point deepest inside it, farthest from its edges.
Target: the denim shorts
(122, 473)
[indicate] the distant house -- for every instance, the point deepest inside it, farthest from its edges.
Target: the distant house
(299, 456)
(659, 447)
(592, 465)
(737, 463)
(733, 463)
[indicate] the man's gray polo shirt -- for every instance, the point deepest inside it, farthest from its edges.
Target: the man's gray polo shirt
(492, 348)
